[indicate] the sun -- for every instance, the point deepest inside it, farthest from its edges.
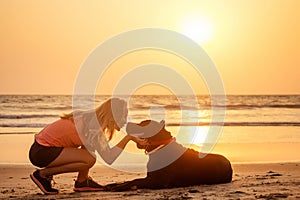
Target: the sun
(200, 30)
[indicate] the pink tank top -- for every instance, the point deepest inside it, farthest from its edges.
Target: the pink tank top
(61, 133)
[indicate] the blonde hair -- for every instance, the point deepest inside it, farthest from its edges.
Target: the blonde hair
(108, 115)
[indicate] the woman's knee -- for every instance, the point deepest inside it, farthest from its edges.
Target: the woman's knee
(90, 160)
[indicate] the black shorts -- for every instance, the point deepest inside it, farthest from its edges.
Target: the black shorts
(42, 156)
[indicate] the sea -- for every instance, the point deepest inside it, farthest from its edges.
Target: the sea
(256, 128)
(26, 114)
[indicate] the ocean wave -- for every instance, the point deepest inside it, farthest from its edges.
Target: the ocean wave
(253, 106)
(40, 125)
(227, 107)
(32, 125)
(54, 108)
(24, 116)
(169, 107)
(236, 124)
(181, 107)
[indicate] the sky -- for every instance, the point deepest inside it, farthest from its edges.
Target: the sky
(254, 44)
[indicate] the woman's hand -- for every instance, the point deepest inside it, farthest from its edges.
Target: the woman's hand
(139, 141)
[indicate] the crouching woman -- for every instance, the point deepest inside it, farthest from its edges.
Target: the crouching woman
(67, 145)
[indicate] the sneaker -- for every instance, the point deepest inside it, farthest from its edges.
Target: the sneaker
(87, 186)
(43, 183)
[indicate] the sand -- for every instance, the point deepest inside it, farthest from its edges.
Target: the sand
(277, 176)
(250, 181)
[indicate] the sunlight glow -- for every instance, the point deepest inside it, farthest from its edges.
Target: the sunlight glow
(199, 30)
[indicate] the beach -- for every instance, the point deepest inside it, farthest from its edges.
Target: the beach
(250, 181)
(261, 171)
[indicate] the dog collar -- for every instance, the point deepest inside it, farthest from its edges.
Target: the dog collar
(161, 145)
(164, 142)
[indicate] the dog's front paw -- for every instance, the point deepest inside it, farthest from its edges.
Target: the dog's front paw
(119, 187)
(123, 187)
(111, 186)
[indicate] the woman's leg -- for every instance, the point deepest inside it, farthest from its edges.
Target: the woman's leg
(71, 160)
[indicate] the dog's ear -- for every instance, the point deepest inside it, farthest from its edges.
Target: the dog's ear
(145, 129)
(134, 129)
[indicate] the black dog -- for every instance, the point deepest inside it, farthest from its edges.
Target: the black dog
(172, 165)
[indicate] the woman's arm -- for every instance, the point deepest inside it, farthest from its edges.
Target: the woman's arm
(127, 138)
(109, 155)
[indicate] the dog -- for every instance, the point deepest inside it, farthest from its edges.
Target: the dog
(170, 164)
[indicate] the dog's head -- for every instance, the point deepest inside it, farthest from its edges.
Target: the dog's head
(153, 131)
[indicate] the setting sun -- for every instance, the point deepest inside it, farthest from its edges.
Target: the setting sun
(198, 29)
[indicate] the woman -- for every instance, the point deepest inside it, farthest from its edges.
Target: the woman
(67, 145)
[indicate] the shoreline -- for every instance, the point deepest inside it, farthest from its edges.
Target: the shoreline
(250, 181)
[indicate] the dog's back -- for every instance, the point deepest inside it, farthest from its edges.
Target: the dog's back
(189, 170)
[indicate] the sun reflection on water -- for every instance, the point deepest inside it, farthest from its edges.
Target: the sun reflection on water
(198, 135)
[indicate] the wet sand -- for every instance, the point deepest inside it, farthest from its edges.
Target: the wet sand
(250, 181)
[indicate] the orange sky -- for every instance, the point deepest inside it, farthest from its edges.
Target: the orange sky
(255, 44)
